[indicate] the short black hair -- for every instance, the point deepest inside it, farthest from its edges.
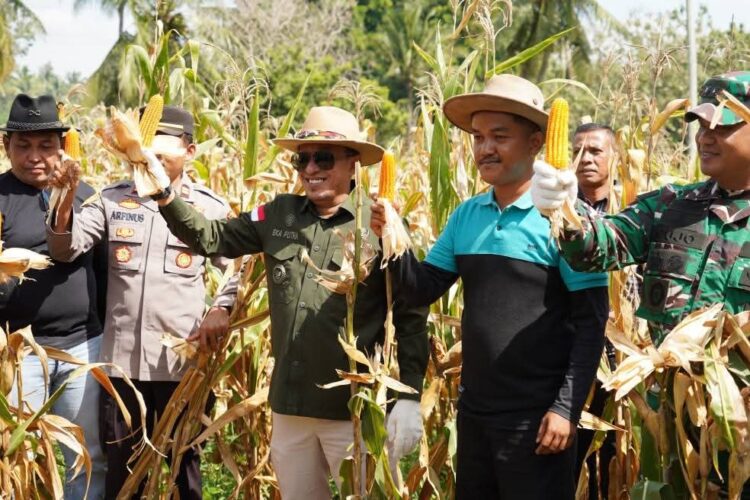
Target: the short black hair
(187, 139)
(593, 127)
(526, 123)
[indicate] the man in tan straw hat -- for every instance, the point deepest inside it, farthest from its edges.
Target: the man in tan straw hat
(532, 328)
(312, 433)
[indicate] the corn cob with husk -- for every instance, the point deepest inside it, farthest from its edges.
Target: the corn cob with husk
(395, 239)
(126, 137)
(556, 155)
(14, 262)
(72, 150)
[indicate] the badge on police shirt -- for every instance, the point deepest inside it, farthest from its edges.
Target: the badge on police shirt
(123, 254)
(183, 260)
(129, 203)
(125, 232)
(289, 220)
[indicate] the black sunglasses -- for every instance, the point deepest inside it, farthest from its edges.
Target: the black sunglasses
(325, 160)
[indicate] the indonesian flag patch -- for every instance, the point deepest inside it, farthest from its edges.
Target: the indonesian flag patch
(258, 214)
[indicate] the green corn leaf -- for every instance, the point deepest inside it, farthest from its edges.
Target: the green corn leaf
(527, 54)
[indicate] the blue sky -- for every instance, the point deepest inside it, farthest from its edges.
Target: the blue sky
(79, 41)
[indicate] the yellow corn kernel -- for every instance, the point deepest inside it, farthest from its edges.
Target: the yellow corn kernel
(556, 148)
(73, 144)
(150, 119)
(387, 184)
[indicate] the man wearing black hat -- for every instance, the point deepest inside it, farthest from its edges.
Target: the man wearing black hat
(59, 303)
(155, 286)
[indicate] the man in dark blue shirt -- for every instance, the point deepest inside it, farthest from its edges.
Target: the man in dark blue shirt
(532, 328)
(60, 302)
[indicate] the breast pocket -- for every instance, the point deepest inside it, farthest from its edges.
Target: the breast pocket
(738, 285)
(283, 268)
(668, 281)
(126, 246)
(178, 259)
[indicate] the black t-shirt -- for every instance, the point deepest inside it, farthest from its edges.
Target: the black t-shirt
(60, 302)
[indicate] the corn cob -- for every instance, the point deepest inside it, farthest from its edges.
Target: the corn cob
(556, 148)
(387, 184)
(150, 119)
(73, 144)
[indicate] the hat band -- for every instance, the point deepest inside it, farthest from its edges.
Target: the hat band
(319, 134)
(33, 126)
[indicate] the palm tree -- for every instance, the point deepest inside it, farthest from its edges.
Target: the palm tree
(13, 12)
(539, 19)
(108, 7)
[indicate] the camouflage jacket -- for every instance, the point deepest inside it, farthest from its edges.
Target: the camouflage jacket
(694, 241)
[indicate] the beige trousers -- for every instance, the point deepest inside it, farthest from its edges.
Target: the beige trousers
(305, 451)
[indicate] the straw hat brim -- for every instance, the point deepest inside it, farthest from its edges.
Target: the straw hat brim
(368, 153)
(461, 108)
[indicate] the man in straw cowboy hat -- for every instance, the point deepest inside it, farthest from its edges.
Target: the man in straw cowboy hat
(532, 327)
(59, 303)
(156, 285)
(312, 433)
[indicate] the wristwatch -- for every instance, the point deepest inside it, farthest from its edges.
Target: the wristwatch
(162, 195)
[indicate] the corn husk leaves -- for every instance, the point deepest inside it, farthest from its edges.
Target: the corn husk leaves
(15, 262)
(396, 240)
(29, 468)
(342, 281)
(122, 137)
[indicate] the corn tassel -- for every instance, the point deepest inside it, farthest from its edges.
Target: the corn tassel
(387, 185)
(556, 148)
(150, 119)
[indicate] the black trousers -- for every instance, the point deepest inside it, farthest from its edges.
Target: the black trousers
(118, 441)
(497, 463)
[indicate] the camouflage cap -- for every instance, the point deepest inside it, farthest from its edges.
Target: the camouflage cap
(736, 83)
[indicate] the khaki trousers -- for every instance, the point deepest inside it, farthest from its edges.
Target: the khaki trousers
(304, 451)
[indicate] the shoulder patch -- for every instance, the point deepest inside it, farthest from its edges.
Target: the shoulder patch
(119, 185)
(92, 199)
(206, 191)
(258, 214)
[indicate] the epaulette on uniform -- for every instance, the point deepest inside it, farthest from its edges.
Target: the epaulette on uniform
(119, 185)
(92, 199)
(205, 190)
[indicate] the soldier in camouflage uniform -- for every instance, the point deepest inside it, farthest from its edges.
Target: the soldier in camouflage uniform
(693, 239)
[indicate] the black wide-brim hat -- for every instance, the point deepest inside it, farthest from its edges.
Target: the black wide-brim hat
(34, 114)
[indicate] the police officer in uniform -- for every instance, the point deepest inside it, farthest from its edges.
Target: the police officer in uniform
(155, 286)
(312, 433)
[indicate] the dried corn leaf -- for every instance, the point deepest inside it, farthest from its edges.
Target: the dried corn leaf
(592, 422)
(395, 239)
(14, 262)
(239, 410)
(185, 350)
(734, 104)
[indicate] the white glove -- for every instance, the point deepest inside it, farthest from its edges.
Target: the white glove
(404, 428)
(157, 169)
(550, 187)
